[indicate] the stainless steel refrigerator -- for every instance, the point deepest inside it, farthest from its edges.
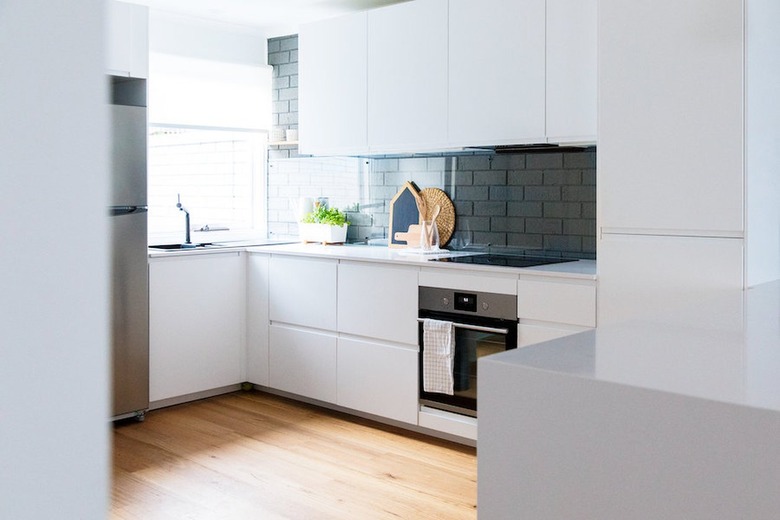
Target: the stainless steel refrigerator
(129, 271)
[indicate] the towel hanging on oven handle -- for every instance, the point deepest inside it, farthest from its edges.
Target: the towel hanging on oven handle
(476, 328)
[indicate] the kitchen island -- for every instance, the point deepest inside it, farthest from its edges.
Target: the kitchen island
(674, 416)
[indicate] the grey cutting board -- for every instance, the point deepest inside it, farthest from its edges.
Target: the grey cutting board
(403, 213)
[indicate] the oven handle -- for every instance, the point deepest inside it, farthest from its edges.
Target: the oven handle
(477, 328)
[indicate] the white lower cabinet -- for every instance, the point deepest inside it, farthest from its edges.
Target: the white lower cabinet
(550, 309)
(378, 301)
(303, 362)
(303, 291)
(378, 378)
(196, 323)
(257, 319)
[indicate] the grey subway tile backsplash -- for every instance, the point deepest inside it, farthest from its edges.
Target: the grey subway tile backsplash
(558, 215)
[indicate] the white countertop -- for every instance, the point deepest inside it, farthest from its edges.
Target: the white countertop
(730, 355)
(584, 269)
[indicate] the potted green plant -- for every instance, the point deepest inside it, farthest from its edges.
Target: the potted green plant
(325, 225)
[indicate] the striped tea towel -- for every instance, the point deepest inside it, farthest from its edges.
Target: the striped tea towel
(438, 356)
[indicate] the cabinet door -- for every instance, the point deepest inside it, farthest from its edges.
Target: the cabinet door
(196, 322)
(550, 309)
(378, 379)
(407, 76)
(127, 33)
(332, 71)
(378, 301)
(532, 334)
(660, 278)
(303, 291)
(496, 71)
(571, 70)
(567, 303)
(303, 362)
(257, 319)
(670, 116)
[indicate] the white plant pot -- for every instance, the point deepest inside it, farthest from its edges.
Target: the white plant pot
(323, 233)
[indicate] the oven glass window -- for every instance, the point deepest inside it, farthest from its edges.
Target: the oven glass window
(469, 346)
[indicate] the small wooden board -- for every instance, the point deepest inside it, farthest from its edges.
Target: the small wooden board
(404, 212)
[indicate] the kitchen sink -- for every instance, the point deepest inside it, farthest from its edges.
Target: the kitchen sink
(176, 247)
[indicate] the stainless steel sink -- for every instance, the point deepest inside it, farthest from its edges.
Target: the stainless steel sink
(177, 247)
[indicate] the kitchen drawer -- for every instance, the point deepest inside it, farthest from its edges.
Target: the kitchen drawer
(303, 362)
(558, 302)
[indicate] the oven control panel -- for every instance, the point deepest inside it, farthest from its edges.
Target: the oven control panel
(466, 302)
(488, 305)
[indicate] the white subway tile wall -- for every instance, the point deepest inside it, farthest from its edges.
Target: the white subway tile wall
(213, 170)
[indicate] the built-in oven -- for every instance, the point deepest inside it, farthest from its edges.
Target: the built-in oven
(481, 324)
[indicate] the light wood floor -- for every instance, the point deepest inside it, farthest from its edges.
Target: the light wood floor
(251, 455)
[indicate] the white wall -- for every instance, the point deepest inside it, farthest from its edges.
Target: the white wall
(54, 389)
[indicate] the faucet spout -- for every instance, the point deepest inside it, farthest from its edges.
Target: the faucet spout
(186, 219)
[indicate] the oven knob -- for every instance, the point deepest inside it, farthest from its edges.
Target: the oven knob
(445, 301)
(485, 306)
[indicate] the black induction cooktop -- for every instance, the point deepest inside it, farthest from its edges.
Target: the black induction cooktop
(503, 260)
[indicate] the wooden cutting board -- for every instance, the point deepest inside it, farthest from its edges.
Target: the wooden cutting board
(445, 221)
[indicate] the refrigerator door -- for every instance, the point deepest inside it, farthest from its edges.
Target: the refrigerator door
(128, 173)
(130, 310)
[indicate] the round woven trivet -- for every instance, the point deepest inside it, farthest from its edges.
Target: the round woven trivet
(445, 222)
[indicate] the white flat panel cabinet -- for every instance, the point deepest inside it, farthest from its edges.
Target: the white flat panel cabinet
(257, 318)
(303, 291)
(560, 302)
(378, 301)
(671, 116)
(651, 277)
(196, 323)
(303, 362)
(438, 74)
(533, 334)
(378, 378)
(332, 71)
(572, 81)
(496, 72)
(550, 309)
(127, 34)
(407, 76)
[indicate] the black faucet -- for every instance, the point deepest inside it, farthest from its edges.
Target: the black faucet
(187, 241)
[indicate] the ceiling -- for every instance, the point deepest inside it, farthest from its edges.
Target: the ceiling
(272, 17)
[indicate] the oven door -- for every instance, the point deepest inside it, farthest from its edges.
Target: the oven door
(474, 337)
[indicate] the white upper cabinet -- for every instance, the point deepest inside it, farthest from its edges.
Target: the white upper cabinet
(496, 72)
(671, 117)
(127, 39)
(407, 76)
(430, 75)
(572, 80)
(332, 86)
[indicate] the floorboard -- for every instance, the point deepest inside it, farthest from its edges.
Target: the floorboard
(257, 455)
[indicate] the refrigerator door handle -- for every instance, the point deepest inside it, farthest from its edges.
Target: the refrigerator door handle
(117, 211)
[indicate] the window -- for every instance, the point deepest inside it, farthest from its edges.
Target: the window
(208, 123)
(219, 176)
